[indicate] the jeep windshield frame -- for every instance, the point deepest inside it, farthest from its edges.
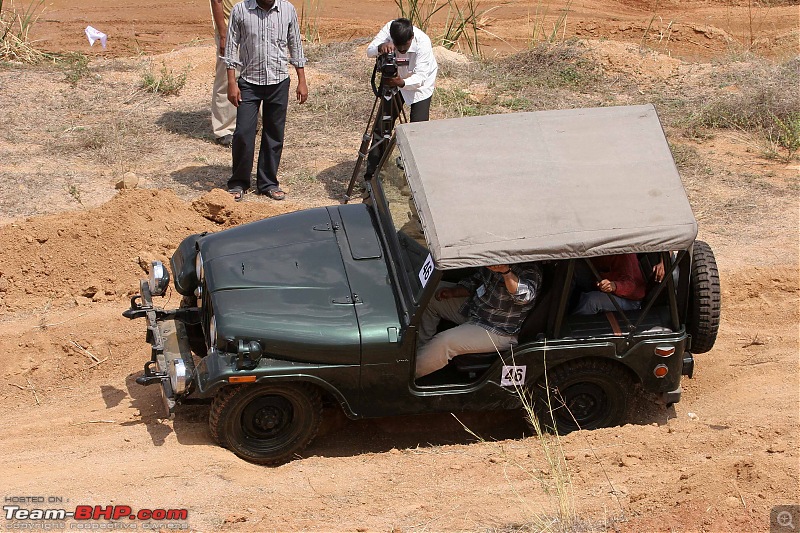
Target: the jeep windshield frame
(406, 248)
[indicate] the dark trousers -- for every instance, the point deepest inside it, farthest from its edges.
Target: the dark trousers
(420, 112)
(275, 100)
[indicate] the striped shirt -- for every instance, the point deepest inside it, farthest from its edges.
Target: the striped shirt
(266, 41)
(492, 307)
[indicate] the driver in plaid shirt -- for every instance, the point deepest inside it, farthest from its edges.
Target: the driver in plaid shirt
(489, 307)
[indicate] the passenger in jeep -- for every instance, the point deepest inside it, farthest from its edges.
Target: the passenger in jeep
(622, 280)
(489, 307)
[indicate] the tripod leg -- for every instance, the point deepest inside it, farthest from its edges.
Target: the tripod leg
(362, 151)
(380, 134)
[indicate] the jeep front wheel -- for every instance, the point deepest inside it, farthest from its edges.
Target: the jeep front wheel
(585, 394)
(266, 424)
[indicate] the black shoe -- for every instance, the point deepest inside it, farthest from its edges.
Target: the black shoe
(225, 140)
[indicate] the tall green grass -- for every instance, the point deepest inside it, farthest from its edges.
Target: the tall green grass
(15, 25)
(540, 32)
(309, 20)
(462, 25)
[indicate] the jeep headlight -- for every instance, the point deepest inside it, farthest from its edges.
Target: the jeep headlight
(159, 278)
(212, 332)
(198, 268)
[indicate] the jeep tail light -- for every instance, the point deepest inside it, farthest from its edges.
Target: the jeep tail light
(665, 351)
(660, 371)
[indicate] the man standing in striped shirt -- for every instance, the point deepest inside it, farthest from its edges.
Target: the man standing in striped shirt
(266, 35)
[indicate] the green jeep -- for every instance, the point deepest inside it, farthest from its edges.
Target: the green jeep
(323, 304)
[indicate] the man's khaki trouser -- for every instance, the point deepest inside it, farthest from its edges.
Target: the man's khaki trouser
(435, 350)
(223, 113)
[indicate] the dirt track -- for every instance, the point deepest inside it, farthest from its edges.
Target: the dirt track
(77, 426)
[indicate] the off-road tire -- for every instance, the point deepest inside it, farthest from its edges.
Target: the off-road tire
(266, 424)
(584, 394)
(702, 322)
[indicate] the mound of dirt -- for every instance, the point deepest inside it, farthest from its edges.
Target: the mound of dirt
(100, 254)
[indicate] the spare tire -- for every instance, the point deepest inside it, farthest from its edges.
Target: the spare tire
(702, 322)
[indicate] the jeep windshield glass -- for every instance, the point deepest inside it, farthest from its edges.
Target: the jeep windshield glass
(406, 234)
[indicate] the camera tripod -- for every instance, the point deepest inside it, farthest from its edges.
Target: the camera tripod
(388, 108)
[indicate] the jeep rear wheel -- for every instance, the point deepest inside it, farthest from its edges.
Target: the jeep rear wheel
(585, 394)
(702, 321)
(266, 424)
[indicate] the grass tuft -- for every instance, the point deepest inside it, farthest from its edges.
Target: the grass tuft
(15, 25)
(758, 97)
(309, 20)
(167, 82)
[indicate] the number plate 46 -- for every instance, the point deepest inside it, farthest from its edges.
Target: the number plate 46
(512, 376)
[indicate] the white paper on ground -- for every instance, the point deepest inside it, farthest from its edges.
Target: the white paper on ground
(94, 35)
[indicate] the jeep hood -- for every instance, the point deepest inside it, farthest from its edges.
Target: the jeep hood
(281, 281)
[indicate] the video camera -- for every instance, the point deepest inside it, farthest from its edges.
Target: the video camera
(387, 64)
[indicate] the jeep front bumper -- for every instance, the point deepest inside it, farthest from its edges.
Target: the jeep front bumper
(171, 364)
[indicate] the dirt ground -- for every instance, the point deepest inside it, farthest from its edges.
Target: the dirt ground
(76, 425)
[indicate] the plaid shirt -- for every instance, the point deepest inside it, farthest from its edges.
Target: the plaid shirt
(266, 41)
(492, 307)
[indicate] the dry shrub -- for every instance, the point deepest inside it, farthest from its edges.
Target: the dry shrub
(561, 64)
(14, 27)
(760, 97)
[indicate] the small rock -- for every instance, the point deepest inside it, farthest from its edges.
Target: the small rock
(91, 289)
(82, 300)
(692, 416)
(684, 476)
(129, 181)
(569, 457)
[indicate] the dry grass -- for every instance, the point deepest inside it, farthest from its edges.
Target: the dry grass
(15, 24)
(756, 96)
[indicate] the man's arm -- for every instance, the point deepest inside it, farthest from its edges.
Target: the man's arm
(297, 57)
(231, 51)
(218, 15)
(625, 279)
(382, 38)
(523, 286)
(423, 68)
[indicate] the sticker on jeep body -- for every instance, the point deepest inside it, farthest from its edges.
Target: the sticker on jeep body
(513, 376)
(426, 271)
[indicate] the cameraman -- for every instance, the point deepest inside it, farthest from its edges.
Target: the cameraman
(415, 79)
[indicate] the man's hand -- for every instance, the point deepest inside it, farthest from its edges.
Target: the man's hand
(234, 95)
(499, 268)
(606, 286)
(658, 271)
(385, 48)
(302, 91)
(397, 81)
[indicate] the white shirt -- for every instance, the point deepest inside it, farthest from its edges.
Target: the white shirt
(420, 73)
